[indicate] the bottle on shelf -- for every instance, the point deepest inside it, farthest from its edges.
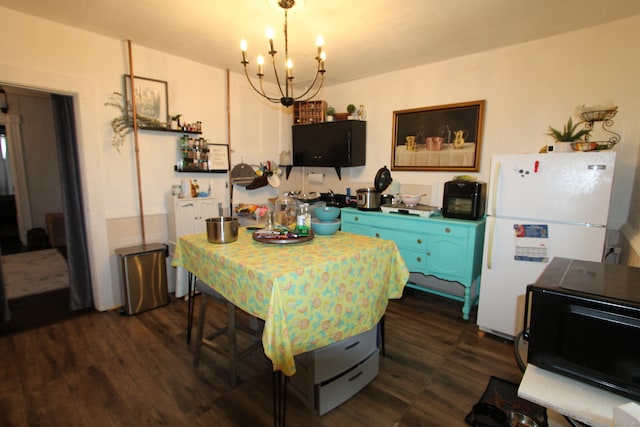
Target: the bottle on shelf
(195, 188)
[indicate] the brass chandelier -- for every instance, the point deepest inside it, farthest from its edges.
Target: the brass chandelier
(286, 97)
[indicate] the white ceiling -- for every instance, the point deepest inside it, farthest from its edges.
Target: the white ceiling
(362, 38)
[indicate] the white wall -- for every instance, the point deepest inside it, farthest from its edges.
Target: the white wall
(61, 59)
(527, 88)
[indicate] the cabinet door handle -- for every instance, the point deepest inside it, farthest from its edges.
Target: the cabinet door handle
(428, 253)
(356, 218)
(419, 259)
(377, 234)
(419, 241)
(447, 230)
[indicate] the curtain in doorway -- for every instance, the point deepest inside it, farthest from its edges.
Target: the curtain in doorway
(6, 183)
(80, 294)
(5, 314)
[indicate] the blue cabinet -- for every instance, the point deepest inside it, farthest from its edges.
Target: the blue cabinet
(448, 249)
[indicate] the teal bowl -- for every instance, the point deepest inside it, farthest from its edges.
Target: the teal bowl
(327, 213)
(325, 228)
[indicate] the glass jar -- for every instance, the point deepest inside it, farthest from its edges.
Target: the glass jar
(270, 221)
(285, 211)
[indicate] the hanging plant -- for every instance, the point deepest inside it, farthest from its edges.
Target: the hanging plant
(122, 125)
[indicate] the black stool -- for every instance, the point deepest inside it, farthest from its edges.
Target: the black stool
(234, 356)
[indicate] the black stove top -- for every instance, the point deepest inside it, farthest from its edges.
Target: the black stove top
(338, 200)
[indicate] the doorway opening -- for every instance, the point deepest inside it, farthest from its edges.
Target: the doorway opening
(44, 188)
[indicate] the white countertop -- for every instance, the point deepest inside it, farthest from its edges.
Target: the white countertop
(575, 399)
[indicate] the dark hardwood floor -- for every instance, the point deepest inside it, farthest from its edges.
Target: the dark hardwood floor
(105, 369)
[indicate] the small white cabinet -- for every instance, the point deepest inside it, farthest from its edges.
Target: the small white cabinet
(188, 216)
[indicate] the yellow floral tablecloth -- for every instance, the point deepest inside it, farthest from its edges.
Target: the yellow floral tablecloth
(309, 294)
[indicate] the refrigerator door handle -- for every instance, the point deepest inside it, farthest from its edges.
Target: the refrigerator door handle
(491, 218)
(494, 188)
(492, 223)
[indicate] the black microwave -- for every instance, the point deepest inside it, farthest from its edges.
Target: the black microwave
(464, 199)
(582, 320)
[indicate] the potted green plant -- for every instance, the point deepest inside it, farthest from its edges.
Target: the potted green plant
(175, 121)
(570, 133)
(351, 109)
(330, 112)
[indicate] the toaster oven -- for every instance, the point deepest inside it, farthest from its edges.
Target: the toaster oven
(464, 199)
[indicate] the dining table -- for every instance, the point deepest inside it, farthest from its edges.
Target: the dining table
(310, 292)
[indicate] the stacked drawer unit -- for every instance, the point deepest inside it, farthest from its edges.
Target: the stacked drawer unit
(328, 376)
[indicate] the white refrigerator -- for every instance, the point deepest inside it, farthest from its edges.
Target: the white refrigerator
(539, 206)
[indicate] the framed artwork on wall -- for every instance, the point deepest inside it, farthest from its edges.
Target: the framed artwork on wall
(439, 138)
(152, 100)
(218, 157)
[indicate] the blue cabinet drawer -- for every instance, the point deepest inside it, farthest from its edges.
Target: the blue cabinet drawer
(449, 230)
(403, 239)
(355, 228)
(416, 260)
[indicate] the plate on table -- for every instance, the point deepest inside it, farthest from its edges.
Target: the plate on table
(260, 236)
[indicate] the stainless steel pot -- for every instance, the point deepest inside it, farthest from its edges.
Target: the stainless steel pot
(222, 229)
(368, 199)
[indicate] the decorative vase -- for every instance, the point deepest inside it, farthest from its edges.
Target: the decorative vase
(563, 147)
(362, 114)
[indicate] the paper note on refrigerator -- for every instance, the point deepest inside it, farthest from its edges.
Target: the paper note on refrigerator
(531, 242)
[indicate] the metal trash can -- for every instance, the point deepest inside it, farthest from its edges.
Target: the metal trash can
(144, 277)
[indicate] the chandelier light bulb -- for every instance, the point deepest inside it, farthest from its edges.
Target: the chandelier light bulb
(270, 33)
(289, 68)
(243, 48)
(286, 96)
(260, 64)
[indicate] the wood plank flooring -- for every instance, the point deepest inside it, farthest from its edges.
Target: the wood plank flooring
(105, 369)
